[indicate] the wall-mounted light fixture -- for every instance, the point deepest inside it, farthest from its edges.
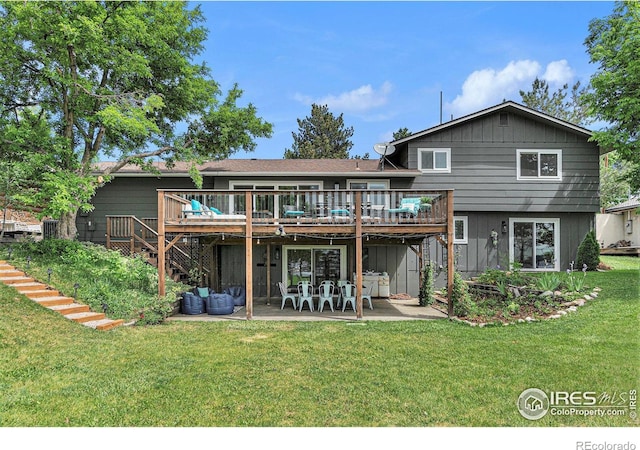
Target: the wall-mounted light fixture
(504, 227)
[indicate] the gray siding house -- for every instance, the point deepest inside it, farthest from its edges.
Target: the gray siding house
(526, 185)
(525, 188)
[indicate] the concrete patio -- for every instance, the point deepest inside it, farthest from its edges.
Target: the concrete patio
(383, 309)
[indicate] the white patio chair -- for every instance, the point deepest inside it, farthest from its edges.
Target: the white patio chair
(325, 294)
(286, 296)
(348, 296)
(366, 294)
(305, 294)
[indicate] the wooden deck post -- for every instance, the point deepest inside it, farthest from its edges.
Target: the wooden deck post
(161, 245)
(268, 263)
(359, 252)
(450, 253)
(248, 243)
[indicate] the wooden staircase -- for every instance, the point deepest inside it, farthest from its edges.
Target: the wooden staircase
(52, 299)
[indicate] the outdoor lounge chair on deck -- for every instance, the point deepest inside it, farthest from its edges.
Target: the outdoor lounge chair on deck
(410, 207)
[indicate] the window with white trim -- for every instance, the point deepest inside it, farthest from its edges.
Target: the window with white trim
(539, 164)
(460, 230)
(374, 195)
(434, 160)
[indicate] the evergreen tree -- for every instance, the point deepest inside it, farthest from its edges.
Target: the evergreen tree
(589, 252)
(556, 104)
(321, 136)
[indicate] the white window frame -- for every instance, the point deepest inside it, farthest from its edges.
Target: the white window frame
(276, 184)
(556, 241)
(540, 152)
(341, 248)
(447, 151)
(465, 229)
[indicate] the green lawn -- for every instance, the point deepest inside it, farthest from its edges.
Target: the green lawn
(251, 373)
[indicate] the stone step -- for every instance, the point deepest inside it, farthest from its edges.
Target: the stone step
(40, 293)
(104, 324)
(69, 308)
(53, 301)
(17, 279)
(34, 286)
(85, 316)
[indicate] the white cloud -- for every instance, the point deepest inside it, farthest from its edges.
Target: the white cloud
(487, 87)
(558, 73)
(362, 99)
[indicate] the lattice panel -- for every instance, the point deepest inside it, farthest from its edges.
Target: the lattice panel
(122, 247)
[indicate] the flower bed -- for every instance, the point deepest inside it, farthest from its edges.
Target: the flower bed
(499, 297)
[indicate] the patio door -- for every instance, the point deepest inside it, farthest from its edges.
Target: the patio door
(535, 243)
(314, 264)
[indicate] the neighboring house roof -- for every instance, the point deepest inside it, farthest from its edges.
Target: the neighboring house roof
(360, 168)
(632, 203)
(505, 106)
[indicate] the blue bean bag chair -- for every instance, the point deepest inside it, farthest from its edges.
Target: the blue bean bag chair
(238, 294)
(219, 304)
(192, 304)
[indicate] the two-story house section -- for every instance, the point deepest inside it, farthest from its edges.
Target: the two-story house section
(525, 185)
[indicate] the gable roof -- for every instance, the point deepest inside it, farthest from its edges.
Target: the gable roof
(359, 168)
(632, 203)
(505, 106)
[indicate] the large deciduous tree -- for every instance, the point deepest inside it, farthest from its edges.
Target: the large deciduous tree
(614, 44)
(321, 135)
(110, 80)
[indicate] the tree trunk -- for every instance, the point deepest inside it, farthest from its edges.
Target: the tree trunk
(67, 226)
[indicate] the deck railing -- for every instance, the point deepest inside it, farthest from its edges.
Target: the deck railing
(313, 207)
(130, 235)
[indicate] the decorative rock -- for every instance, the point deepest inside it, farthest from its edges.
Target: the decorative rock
(594, 294)
(547, 294)
(555, 316)
(586, 297)
(580, 303)
(557, 293)
(572, 308)
(567, 304)
(562, 312)
(597, 289)
(521, 320)
(529, 319)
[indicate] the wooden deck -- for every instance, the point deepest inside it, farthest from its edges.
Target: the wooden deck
(386, 215)
(621, 251)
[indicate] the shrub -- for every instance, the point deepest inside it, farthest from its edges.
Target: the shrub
(589, 252)
(427, 289)
(462, 304)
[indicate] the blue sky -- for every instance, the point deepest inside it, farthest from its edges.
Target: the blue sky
(383, 65)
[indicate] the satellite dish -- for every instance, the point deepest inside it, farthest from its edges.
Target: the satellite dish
(384, 149)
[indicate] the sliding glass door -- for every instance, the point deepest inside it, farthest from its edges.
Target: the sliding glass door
(314, 264)
(535, 243)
